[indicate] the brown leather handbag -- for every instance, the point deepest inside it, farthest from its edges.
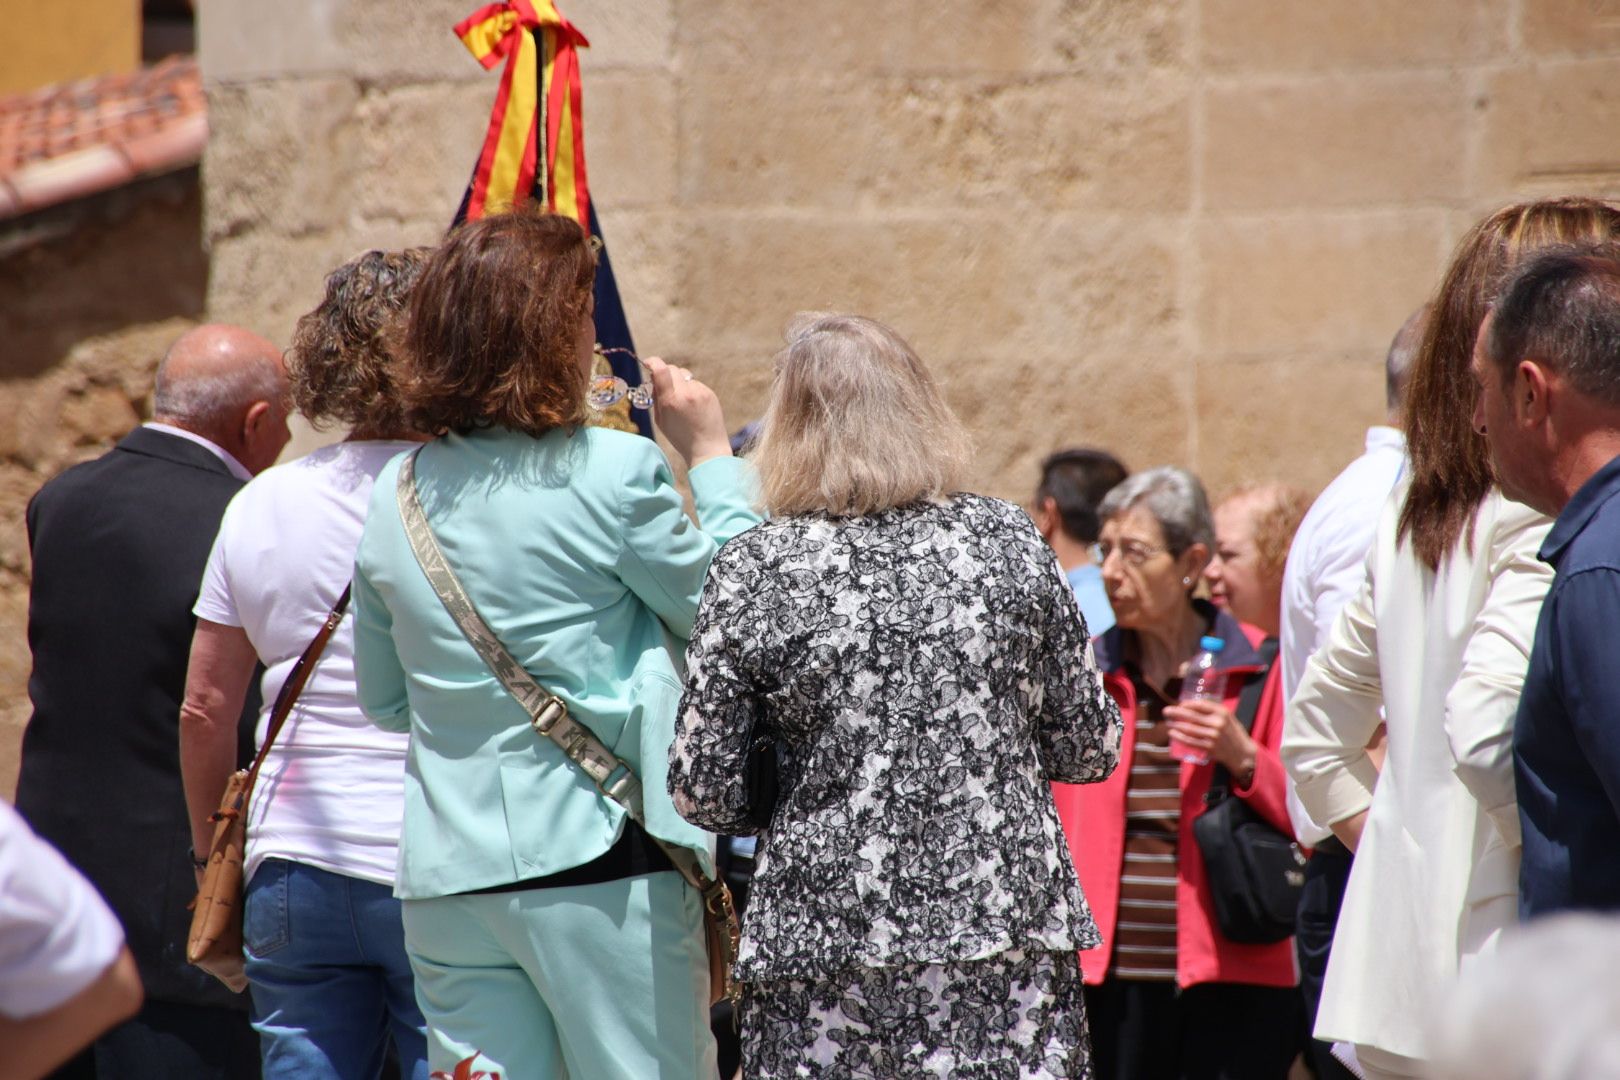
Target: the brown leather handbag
(215, 941)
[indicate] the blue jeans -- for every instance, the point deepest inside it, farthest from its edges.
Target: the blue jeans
(330, 980)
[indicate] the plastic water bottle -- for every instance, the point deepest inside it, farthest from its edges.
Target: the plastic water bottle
(1204, 681)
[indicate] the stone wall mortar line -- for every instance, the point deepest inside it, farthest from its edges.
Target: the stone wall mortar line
(1192, 269)
(983, 211)
(682, 271)
(1329, 212)
(1515, 26)
(1474, 134)
(1280, 80)
(220, 82)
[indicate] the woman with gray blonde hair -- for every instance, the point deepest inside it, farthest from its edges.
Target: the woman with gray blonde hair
(854, 380)
(917, 656)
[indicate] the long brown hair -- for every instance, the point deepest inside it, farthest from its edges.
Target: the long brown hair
(494, 318)
(1450, 467)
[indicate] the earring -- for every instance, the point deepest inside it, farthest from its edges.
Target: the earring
(1186, 582)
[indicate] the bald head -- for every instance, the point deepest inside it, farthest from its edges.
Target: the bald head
(228, 385)
(1398, 363)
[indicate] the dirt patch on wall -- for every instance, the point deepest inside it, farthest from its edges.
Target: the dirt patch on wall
(89, 299)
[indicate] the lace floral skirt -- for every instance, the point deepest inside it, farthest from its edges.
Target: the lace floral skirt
(1017, 1016)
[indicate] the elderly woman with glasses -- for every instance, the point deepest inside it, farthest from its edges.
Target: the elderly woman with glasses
(1167, 993)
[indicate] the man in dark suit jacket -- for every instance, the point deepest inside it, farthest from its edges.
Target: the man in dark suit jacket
(119, 545)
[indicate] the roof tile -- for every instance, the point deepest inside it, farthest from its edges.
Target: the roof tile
(81, 138)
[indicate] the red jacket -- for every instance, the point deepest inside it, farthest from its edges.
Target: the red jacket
(1093, 818)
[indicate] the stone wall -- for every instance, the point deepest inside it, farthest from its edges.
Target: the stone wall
(103, 37)
(84, 319)
(1184, 229)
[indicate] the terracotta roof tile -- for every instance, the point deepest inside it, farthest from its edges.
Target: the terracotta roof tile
(76, 139)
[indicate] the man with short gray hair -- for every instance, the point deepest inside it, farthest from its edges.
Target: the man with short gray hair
(225, 389)
(1545, 1004)
(119, 545)
(1547, 361)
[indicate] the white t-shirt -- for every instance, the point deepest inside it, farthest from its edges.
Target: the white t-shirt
(1327, 564)
(57, 935)
(331, 793)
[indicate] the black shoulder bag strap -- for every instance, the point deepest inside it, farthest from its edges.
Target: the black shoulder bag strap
(1248, 705)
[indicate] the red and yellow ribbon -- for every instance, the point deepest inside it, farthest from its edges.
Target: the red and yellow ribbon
(540, 48)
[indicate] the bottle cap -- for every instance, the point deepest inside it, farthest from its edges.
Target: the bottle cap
(1211, 644)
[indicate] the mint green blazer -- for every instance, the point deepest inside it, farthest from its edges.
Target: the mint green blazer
(577, 550)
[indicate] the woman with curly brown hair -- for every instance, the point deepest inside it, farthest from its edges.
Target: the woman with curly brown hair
(549, 930)
(1435, 645)
(325, 948)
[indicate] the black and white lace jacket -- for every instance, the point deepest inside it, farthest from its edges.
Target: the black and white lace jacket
(928, 672)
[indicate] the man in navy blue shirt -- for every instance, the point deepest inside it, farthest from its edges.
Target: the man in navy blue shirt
(1547, 362)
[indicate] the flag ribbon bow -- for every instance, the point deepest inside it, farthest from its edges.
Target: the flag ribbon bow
(540, 48)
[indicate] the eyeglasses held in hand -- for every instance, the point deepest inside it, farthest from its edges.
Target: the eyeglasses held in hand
(608, 390)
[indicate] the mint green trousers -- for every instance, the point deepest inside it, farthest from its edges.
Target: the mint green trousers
(590, 982)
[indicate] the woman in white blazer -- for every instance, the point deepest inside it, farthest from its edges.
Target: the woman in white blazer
(1435, 645)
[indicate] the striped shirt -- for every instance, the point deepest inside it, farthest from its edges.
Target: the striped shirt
(1145, 939)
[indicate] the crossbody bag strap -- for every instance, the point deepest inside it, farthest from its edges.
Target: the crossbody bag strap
(293, 685)
(287, 697)
(548, 714)
(1248, 707)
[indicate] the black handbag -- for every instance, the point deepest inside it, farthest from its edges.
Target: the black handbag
(1255, 871)
(761, 779)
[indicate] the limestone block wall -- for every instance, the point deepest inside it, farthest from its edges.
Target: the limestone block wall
(1184, 229)
(106, 39)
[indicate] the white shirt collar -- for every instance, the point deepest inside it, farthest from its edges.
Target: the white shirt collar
(1382, 437)
(237, 469)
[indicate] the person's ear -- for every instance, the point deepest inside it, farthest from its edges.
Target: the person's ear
(254, 419)
(1045, 515)
(1191, 563)
(1532, 390)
